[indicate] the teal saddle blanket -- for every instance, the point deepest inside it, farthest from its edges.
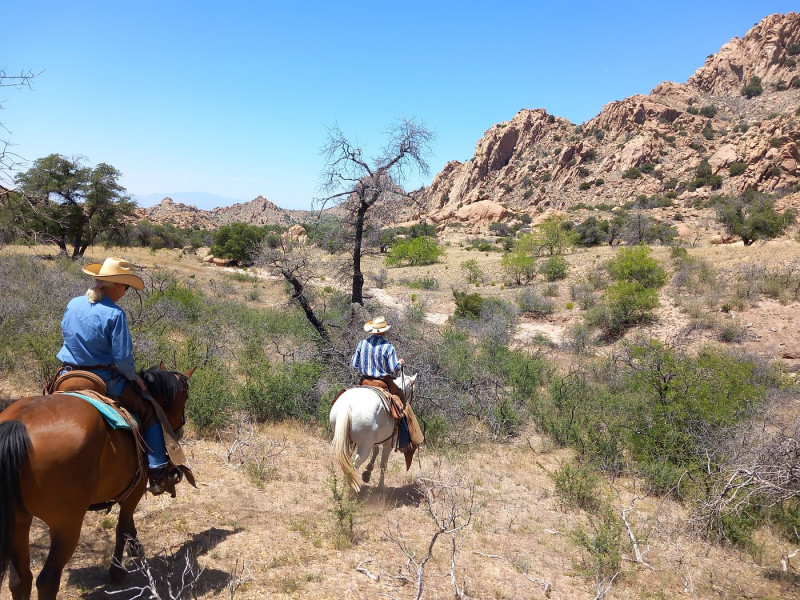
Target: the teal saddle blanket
(111, 416)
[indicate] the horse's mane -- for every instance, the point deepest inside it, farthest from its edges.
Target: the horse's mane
(165, 384)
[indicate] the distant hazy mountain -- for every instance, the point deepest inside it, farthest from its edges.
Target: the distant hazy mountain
(201, 200)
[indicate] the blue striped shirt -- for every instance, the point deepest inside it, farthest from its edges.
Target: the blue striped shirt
(375, 357)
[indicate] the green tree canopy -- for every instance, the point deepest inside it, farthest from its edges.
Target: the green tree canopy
(752, 216)
(237, 241)
(66, 203)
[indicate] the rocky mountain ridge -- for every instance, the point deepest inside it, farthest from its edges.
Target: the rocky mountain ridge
(645, 144)
(686, 141)
(258, 211)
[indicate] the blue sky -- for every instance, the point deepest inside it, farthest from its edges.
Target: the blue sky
(234, 98)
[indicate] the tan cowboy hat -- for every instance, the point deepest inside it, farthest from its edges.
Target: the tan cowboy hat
(377, 325)
(116, 270)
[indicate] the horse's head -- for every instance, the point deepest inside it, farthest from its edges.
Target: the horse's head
(171, 390)
(408, 384)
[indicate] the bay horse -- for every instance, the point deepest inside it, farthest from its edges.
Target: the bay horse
(362, 422)
(58, 458)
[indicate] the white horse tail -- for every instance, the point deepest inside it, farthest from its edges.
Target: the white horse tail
(341, 448)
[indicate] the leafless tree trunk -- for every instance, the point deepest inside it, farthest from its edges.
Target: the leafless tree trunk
(293, 264)
(361, 184)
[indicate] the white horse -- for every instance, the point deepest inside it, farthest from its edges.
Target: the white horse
(361, 421)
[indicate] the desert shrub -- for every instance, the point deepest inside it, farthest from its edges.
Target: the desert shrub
(502, 229)
(753, 87)
(415, 252)
(276, 392)
(705, 177)
(731, 333)
(468, 305)
(583, 294)
(637, 264)
(602, 542)
(519, 265)
(585, 185)
(633, 297)
(212, 399)
(632, 173)
(685, 405)
(592, 232)
(421, 283)
(695, 276)
(709, 111)
(752, 216)
(625, 304)
(554, 268)
(237, 241)
(530, 301)
(737, 169)
(577, 487)
(472, 270)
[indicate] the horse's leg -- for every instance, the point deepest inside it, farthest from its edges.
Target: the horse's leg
(385, 453)
(64, 537)
(126, 534)
(20, 580)
(365, 476)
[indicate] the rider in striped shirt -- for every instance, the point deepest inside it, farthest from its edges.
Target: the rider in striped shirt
(376, 358)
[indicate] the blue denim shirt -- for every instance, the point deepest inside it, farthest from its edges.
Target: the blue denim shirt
(97, 334)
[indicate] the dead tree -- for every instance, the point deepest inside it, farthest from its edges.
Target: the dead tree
(361, 185)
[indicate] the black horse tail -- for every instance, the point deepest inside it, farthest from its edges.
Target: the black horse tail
(14, 446)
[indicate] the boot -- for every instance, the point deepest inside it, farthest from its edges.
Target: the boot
(163, 479)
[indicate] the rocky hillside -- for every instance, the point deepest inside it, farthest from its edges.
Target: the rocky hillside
(645, 144)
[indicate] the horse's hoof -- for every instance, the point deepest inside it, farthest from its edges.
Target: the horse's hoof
(117, 574)
(365, 477)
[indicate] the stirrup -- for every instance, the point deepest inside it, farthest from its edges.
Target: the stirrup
(164, 479)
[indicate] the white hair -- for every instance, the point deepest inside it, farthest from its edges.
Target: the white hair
(96, 293)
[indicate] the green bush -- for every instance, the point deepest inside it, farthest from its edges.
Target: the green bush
(737, 169)
(554, 268)
(423, 283)
(636, 264)
(468, 305)
(752, 216)
(632, 173)
(415, 252)
(577, 487)
(709, 111)
(472, 270)
(519, 265)
(753, 87)
(237, 241)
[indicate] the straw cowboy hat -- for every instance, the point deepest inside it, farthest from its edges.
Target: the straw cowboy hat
(377, 325)
(116, 270)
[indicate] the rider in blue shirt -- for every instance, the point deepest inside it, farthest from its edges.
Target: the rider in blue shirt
(97, 339)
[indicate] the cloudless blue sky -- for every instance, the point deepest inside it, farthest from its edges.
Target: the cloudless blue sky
(234, 98)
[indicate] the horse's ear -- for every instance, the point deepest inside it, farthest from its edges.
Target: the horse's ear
(189, 372)
(162, 366)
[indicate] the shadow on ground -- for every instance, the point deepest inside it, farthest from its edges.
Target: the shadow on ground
(175, 574)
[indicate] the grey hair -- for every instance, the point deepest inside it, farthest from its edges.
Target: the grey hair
(96, 293)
